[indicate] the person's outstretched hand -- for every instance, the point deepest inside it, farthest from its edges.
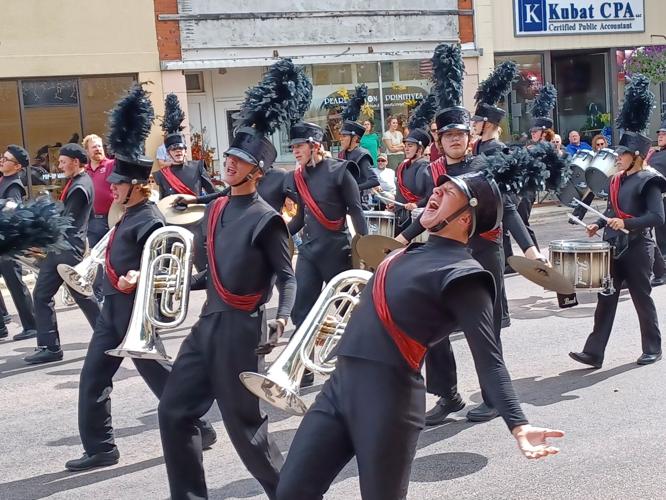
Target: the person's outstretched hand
(532, 440)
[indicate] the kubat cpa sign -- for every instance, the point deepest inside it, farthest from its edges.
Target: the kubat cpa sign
(552, 17)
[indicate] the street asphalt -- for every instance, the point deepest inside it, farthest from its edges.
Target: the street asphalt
(613, 417)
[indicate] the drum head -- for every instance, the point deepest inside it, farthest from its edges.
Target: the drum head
(539, 273)
(373, 249)
(572, 246)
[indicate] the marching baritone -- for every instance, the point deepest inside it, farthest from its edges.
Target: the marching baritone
(372, 407)
(634, 204)
(129, 186)
(12, 162)
(77, 197)
(248, 252)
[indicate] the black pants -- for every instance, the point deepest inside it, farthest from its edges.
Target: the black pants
(441, 377)
(220, 347)
(660, 249)
(634, 268)
(314, 268)
(47, 285)
(98, 226)
(11, 271)
(200, 258)
(366, 409)
(96, 382)
(524, 209)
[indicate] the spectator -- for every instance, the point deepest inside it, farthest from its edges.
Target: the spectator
(386, 177)
(575, 143)
(371, 140)
(599, 142)
(162, 156)
(393, 141)
(556, 141)
(434, 150)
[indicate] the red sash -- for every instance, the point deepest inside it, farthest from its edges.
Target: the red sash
(494, 235)
(110, 271)
(404, 190)
(411, 350)
(615, 184)
(247, 303)
(437, 169)
(179, 186)
(304, 191)
(65, 190)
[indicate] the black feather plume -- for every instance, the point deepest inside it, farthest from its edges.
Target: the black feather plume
(448, 70)
(173, 115)
(498, 84)
(637, 106)
(424, 113)
(38, 224)
(130, 123)
(281, 98)
(504, 168)
(545, 101)
(355, 103)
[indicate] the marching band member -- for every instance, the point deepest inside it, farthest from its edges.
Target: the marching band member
(78, 197)
(129, 185)
(635, 204)
(351, 134)
(11, 188)
(182, 176)
(372, 407)
(247, 248)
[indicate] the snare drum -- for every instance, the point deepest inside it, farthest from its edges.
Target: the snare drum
(601, 169)
(382, 223)
(585, 264)
(423, 237)
(579, 164)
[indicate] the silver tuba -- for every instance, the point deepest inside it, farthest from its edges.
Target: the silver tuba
(81, 276)
(311, 345)
(164, 288)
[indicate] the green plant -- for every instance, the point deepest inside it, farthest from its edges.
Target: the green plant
(650, 61)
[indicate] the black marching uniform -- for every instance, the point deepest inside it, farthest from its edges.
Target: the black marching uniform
(373, 405)
(178, 179)
(367, 177)
(272, 188)
(409, 189)
(324, 252)
(11, 188)
(658, 162)
(78, 200)
(248, 249)
(639, 197)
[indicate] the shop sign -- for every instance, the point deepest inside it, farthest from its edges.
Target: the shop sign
(396, 95)
(552, 17)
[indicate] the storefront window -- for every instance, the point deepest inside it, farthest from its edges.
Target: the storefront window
(517, 103)
(43, 114)
(397, 98)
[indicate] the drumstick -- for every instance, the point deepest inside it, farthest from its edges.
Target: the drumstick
(594, 211)
(575, 219)
(390, 201)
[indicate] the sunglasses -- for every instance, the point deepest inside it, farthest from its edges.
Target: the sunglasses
(600, 144)
(381, 160)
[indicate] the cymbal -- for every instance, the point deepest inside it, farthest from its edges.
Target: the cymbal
(373, 248)
(180, 216)
(540, 273)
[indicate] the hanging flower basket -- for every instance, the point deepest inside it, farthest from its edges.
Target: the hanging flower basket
(650, 61)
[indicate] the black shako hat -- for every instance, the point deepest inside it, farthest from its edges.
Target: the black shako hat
(73, 150)
(635, 116)
(662, 127)
(543, 106)
(484, 198)
(418, 136)
(172, 123)
(352, 128)
(280, 98)
(455, 117)
(305, 132)
(253, 147)
(20, 154)
(130, 123)
(488, 113)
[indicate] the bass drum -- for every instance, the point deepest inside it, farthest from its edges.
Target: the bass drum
(579, 164)
(601, 169)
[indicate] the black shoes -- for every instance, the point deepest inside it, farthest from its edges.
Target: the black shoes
(657, 281)
(506, 322)
(4, 333)
(648, 359)
(586, 359)
(7, 318)
(208, 435)
(482, 413)
(25, 334)
(307, 380)
(86, 462)
(441, 410)
(43, 355)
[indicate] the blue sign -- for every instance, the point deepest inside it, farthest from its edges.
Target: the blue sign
(552, 17)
